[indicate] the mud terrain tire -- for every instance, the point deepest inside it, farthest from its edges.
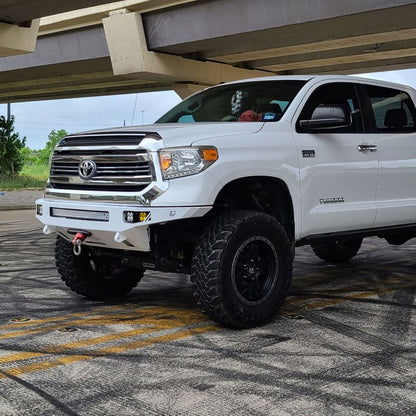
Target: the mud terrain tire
(242, 268)
(94, 277)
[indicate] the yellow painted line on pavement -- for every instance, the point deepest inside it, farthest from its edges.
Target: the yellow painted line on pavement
(18, 371)
(31, 368)
(20, 356)
(157, 318)
(165, 319)
(158, 340)
(147, 315)
(399, 282)
(60, 318)
(290, 308)
(330, 275)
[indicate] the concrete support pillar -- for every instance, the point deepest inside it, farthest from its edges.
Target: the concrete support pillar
(130, 56)
(126, 42)
(15, 39)
(185, 90)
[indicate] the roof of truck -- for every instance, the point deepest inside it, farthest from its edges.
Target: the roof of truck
(321, 78)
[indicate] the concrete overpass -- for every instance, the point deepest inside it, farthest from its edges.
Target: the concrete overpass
(133, 45)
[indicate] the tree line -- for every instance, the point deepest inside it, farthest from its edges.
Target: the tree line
(13, 151)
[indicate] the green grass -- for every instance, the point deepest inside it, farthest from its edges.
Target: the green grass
(36, 171)
(31, 177)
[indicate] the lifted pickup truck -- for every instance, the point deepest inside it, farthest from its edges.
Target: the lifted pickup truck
(225, 184)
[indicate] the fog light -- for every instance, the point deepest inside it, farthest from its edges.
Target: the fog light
(133, 216)
(39, 209)
(143, 216)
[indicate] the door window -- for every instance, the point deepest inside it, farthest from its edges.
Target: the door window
(340, 93)
(394, 111)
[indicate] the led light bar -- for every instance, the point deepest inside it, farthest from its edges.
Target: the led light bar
(75, 214)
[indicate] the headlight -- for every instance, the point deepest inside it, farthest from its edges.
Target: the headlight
(178, 162)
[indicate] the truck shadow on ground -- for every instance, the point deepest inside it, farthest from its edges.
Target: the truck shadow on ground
(341, 325)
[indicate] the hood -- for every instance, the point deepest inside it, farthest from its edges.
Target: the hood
(184, 134)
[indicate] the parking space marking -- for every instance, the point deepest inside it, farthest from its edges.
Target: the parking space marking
(18, 371)
(117, 314)
(157, 324)
(74, 345)
(161, 324)
(348, 293)
(60, 318)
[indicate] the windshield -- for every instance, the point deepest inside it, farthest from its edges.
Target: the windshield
(250, 101)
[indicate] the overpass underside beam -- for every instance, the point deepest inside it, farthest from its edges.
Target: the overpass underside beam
(69, 64)
(86, 82)
(106, 59)
(130, 57)
(151, 46)
(306, 36)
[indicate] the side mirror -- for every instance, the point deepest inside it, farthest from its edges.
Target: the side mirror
(328, 116)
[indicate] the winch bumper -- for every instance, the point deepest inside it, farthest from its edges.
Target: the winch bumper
(111, 225)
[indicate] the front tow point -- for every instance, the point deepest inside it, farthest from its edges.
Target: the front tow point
(79, 238)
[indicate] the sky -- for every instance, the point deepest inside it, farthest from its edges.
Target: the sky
(36, 119)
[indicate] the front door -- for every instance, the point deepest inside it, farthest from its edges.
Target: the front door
(338, 166)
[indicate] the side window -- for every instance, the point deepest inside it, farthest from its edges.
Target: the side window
(340, 93)
(393, 110)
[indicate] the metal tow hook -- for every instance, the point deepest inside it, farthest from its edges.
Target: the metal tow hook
(77, 241)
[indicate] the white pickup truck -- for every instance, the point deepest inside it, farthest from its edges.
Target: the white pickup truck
(225, 184)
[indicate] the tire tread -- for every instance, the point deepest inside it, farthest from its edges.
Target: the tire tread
(78, 275)
(206, 269)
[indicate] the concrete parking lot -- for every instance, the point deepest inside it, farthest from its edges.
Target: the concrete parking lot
(343, 344)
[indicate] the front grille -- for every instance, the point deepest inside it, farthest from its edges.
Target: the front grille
(109, 165)
(119, 165)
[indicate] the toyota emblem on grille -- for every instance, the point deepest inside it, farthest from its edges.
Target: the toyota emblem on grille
(87, 169)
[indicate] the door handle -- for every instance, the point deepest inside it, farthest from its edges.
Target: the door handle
(367, 148)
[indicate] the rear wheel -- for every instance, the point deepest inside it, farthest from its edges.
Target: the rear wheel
(94, 276)
(337, 251)
(242, 268)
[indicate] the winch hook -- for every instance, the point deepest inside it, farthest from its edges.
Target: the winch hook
(77, 241)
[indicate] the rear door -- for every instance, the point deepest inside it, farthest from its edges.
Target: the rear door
(338, 166)
(395, 126)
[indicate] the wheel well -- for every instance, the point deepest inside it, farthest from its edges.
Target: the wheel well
(172, 244)
(269, 195)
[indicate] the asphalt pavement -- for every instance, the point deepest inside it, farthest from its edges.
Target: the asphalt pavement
(19, 200)
(343, 343)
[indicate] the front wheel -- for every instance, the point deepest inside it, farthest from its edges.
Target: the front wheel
(242, 268)
(95, 277)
